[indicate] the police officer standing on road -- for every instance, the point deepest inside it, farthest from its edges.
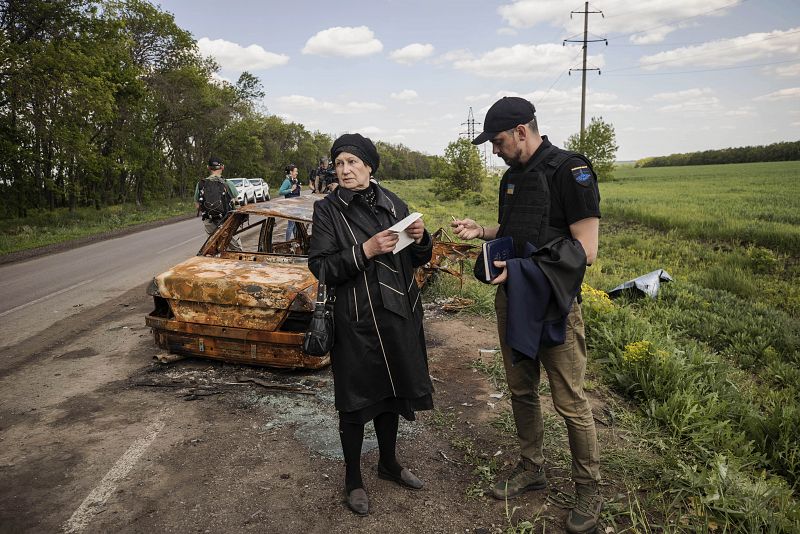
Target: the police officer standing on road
(211, 200)
(545, 194)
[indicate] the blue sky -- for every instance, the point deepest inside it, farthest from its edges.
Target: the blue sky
(677, 75)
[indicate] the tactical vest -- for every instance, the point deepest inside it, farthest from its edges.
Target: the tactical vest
(526, 210)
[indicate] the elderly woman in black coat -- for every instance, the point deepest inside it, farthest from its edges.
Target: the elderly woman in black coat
(380, 365)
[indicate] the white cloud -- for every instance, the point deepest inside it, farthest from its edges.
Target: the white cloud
(614, 107)
(701, 104)
(528, 13)
(412, 53)
(522, 61)
(745, 111)
(343, 42)
(787, 71)
(236, 57)
(310, 103)
(369, 130)
(404, 131)
(680, 95)
(405, 95)
(695, 100)
(453, 55)
(656, 17)
(783, 94)
(359, 107)
(647, 129)
(726, 52)
(220, 80)
(506, 31)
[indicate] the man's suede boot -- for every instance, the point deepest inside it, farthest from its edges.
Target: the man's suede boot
(584, 516)
(526, 476)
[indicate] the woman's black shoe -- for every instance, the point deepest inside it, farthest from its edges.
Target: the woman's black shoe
(358, 501)
(406, 478)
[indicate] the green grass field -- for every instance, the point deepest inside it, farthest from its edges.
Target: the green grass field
(712, 367)
(44, 227)
(753, 203)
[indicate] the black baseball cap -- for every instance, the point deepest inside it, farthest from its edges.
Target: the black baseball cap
(214, 162)
(506, 113)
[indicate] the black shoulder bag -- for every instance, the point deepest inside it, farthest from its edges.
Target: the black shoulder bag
(319, 336)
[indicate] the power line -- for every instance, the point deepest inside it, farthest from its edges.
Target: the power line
(583, 70)
(705, 53)
(672, 21)
(544, 96)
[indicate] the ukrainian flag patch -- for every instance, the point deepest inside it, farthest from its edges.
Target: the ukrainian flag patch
(510, 189)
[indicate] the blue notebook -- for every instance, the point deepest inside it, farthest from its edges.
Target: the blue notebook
(500, 249)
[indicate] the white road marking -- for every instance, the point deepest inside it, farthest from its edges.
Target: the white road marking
(99, 495)
(31, 303)
(181, 243)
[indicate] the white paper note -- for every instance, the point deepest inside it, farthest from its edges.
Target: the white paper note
(400, 228)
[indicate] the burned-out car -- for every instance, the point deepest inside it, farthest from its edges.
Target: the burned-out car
(247, 307)
(253, 306)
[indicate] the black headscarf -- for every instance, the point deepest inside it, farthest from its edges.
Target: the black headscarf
(359, 146)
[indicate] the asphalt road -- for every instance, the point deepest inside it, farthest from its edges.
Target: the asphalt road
(38, 292)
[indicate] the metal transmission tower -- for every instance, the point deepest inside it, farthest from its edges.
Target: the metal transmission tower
(583, 70)
(470, 124)
(470, 135)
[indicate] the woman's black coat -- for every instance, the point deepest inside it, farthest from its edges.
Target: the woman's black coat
(379, 344)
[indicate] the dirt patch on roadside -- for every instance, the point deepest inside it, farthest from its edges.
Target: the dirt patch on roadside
(238, 456)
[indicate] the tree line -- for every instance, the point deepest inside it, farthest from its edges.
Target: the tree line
(783, 151)
(108, 101)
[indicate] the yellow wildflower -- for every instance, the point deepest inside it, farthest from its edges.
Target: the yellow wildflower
(596, 299)
(643, 350)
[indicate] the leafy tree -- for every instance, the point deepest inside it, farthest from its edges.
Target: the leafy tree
(106, 101)
(461, 173)
(782, 151)
(599, 144)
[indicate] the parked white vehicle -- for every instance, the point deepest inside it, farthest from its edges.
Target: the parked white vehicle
(246, 192)
(261, 188)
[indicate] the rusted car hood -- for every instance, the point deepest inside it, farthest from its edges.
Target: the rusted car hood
(228, 282)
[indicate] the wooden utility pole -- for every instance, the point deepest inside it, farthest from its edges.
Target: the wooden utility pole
(583, 70)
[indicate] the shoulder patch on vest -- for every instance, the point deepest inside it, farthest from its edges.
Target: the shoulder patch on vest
(582, 175)
(510, 189)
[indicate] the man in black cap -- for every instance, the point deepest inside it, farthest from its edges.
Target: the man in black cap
(214, 197)
(547, 193)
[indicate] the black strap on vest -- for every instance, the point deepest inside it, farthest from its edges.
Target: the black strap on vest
(526, 213)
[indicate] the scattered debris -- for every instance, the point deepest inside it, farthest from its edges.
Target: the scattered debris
(166, 357)
(447, 459)
(647, 284)
(274, 386)
(447, 254)
(456, 304)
